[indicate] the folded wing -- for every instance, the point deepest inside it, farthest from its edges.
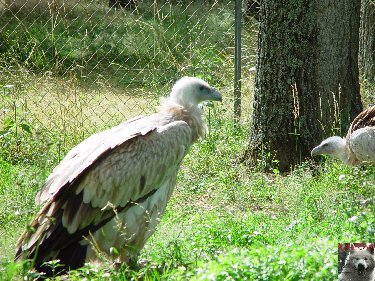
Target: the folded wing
(106, 174)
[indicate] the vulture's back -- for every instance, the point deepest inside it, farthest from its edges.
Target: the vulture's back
(92, 149)
(365, 119)
(361, 135)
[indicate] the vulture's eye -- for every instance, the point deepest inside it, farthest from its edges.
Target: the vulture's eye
(201, 88)
(325, 145)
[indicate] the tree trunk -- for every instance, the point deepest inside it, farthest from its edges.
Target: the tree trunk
(307, 84)
(367, 41)
(127, 4)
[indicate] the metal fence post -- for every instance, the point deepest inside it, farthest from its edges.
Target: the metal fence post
(237, 62)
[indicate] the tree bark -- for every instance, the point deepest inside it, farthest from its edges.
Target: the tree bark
(367, 41)
(307, 84)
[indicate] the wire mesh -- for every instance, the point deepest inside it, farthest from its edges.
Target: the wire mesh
(71, 68)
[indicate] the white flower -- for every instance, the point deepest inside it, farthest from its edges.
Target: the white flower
(341, 177)
(354, 218)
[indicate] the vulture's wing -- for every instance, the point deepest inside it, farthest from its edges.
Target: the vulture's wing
(122, 166)
(365, 119)
(88, 151)
(362, 143)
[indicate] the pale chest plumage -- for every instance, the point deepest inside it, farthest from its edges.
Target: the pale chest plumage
(362, 144)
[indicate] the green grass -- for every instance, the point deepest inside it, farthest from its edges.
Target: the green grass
(90, 39)
(224, 220)
(17, 190)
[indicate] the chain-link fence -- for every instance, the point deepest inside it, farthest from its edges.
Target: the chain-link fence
(70, 68)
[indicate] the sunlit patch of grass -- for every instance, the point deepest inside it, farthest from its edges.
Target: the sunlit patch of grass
(18, 187)
(155, 44)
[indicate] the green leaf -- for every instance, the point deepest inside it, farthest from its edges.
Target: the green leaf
(8, 124)
(26, 127)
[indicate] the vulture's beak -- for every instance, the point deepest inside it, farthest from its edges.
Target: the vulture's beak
(215, 95)
(315, 151)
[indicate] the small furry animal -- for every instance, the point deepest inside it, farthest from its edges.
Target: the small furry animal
(359, 266)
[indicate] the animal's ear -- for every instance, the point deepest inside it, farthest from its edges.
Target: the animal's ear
(370, 249)
(351, 250)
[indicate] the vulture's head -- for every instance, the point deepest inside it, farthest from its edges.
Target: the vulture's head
(190, 91)
(333, 146)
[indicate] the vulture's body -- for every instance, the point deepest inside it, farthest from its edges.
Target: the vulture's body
(359, 144)
(110, 191)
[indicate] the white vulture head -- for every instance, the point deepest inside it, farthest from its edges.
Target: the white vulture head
(111, 189)
(333, 146)
(190, 91)
(359, 144)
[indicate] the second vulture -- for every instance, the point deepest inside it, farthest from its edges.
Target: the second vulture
(359, 144)
(110, 191)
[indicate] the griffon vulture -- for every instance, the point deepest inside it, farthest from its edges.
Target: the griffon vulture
(359, 144)
(110, 191)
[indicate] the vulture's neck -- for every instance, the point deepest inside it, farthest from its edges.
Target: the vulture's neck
(347, 156)
(189, 113)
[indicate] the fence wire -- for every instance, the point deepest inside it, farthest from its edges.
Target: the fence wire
(71, 68)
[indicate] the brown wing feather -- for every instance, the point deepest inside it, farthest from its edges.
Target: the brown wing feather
(90, 150)
(365, 119)
(67, 216)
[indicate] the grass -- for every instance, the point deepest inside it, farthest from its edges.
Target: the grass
(224, 221)
(127, 52)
